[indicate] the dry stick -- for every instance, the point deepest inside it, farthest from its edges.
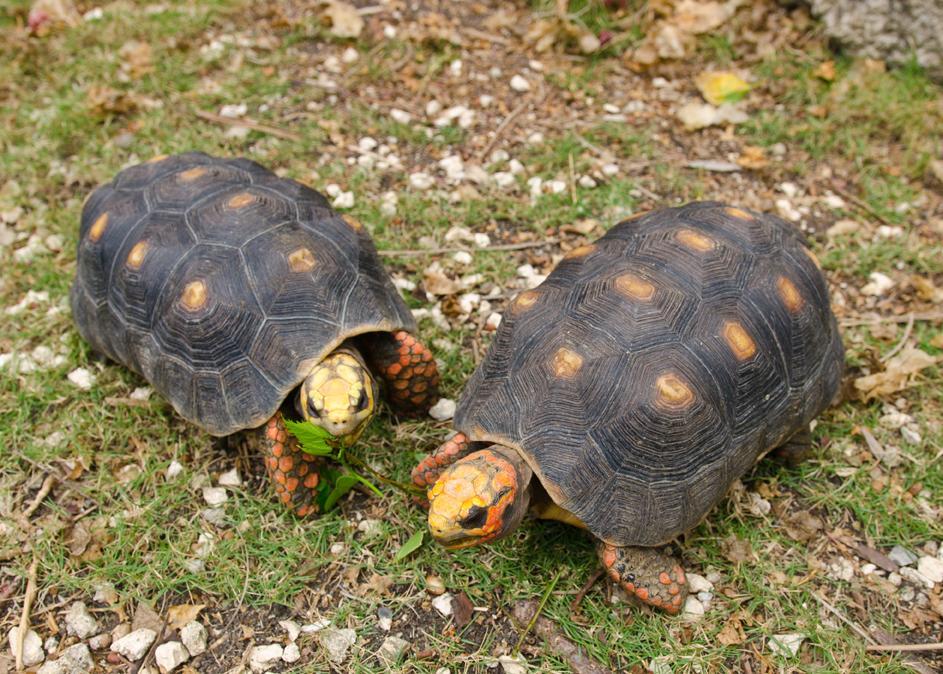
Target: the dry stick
(540, 607)
(24, 616)
(249, 124)
(863, 205)
(502, 126)
(903, 340)
(572, 180)
(938, 646)
(864, 635)
(925, 316)
(43, 492)
(459, 249)
(577, 600)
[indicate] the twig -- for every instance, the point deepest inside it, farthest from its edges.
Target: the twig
(540, 607)
(501, 127)
(249, 124)
(43, 492)
(572, 180)
(863, 205)
(150, 651)
(903, 340)
(24, 616)
(481, 35)
(938, 646)
(864, 635)
(925, 316)
(577, 600)
(457, 249)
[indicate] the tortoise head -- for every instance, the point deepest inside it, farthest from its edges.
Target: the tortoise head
(339, 394)
(479, 498)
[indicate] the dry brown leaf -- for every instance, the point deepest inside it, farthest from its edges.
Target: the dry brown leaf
(136, 58)
(737, 549)
(461, 609)
(753, 157)
(697, 16)
(721, 86)
(103, 101)
(802, 526)
(376, 584)
(825, 71)
(181, 614)
(898, 373)
(732, 632)
(146, 616)
(436, 283)
(344, 18)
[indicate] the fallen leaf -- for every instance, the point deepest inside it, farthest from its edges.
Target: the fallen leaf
(146, 616)
(825, 71)
(732, 632)
(721, 87)
(737, 549)
(136, 58)
(344, 18)
(898, 373)
(437, 283)
(697, 16)
(802, 526)
(461, 609)
(103, 101)
(181, 614)
(696, 116)
(752, 157)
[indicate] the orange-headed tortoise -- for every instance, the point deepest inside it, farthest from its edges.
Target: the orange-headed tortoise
(648, 372)
(244, 298)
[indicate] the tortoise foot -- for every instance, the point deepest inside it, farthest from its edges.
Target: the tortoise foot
(428, 470)
(647, 574)
(293, 472)
(410, 372)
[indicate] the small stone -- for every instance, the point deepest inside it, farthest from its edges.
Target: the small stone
(350, 55)
(902, 556)
(73, 660)
(400, 116)
(370, 527)
(290, 626)
(661, 664)
(434, 585)
(907, 592)
(32, 646)
(786, 645)
(291, 653)
(698, 583)
(230, 478)
(587, 182)
(504, 179)
(82, 378)
(519, 83)
(420, 181)
(536, 138)
(100, 642)
(493, 321)
(170, 655)
(173, 470)
(841, 228)
(141, 393)
(868, 569)
(513, 664)
(910, 435)
(894, 579)
(215, 496)
(759, 506)
(463, 257)
(841, 568)
(610, 170)
(693, 609)
(79, 622)
(879, 284)
(316, 626)
(193, 636)
(931, 568)
(262, 658)
(433, 108)
(133, 646)
(392, 649)
(443, 604)
(443, 409)
(337, 643)
(515, 166)
(384, 618)
(120, 630)
(338, 548)
(233, 110)
(51, 644)
(344, 200)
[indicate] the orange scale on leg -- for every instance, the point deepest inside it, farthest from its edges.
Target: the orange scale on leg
(642, 594)
(285, 497)
(303, 511)
(418, 399)
(271, 431)
(271, 463)
(404, 359)
(285, 463)
(400, 384)
(311, 481)
(293, 483)
(302, 470)
(394, 369)
(679, 575)
(282, 436)
(664, 578)
(278, 449)
(674, 589)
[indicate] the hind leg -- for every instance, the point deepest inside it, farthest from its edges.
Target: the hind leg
(647, 574)
(293, 472)
(796, 449)
(409, 370)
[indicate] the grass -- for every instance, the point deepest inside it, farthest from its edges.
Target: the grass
(118, 520)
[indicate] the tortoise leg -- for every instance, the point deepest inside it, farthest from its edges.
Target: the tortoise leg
(646, 573)
(428, 470)
(293, 472)
(796, 449)
(408, 368)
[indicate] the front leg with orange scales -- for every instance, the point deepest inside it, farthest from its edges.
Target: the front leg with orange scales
(293, 472)
(408, 368)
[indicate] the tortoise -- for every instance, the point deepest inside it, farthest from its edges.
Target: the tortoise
(245, 300)
(626, 393)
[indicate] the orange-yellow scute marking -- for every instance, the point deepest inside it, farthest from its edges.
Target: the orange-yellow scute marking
(192, 174)
(635, 287)
(581, 251)
(673, 391)
(811, 256)
(739, 340)
(158, 158)
(789, 294)
(738, 213)
(301, 260)
(98, 227)
(566, 363)
(194, 295)
(352, 222)
(240, 200)
(694, 240)
(136, 256)
(526, 299)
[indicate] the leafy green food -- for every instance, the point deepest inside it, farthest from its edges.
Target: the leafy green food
(411, 545)
(314, 439)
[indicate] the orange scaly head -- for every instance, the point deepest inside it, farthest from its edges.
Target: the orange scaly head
(479, 498)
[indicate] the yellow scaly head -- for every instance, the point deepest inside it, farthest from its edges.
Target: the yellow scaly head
(340, 395)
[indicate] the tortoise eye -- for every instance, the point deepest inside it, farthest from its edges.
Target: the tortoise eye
(475, 519)
(362, 401)
(312, 410)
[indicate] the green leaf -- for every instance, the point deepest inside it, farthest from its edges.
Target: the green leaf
(367, 483)
(313, 439)
(410, 546)
(343, 485)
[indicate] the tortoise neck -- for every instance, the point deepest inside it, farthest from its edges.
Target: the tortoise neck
(524, 488)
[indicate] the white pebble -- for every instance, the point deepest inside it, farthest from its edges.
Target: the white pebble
(230, 478)
(481, 240)
(931, 568)
(443, 604)
(868, 569)
(82, 378)
(262, 658)
(80, 622)
(400, 116)
(235, 110)
(350, 55)
(887, 232)
(389, 32)
(31, 300)
(367, 144)
(291, 653)
(879, 284)
(610, 170)
(504, 179)
(420, 181)
(557, 186)
(786, 645)
(587, 182)
(316, 626)
(910, 435)
(494, 320)
(693, 609)
(338, 549)
(170, 655)
(519, 83)
(515, 166)
(433, 107)
(133, 646)
(215, 496)
(173, 470)
(332, 189)
(443, 409)
(698, 583)
(193, 636)
(463, 257)
(290, 626)
(536, 138)
(485, 100)
(32, 646)
(75, 659)
(789, 189)
(141, 393)
(536, 185)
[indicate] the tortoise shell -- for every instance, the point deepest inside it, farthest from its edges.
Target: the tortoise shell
(223, 284)
(653, 367)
